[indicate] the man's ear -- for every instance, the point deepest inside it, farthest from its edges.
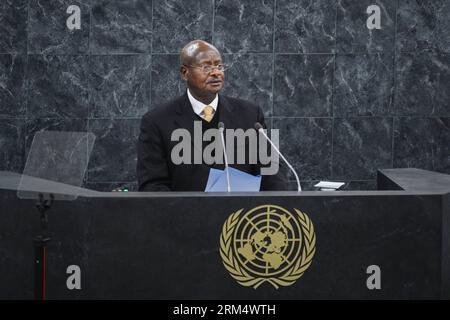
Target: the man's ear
(183, 72)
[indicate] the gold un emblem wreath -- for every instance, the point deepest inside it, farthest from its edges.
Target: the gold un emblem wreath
(267, 244)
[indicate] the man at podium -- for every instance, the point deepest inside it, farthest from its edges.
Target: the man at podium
(199, 109)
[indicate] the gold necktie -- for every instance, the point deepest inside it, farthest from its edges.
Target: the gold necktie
(208, 113)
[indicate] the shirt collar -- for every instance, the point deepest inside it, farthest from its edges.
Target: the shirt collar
(198, 106)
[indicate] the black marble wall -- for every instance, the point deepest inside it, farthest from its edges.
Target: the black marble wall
(347, 100)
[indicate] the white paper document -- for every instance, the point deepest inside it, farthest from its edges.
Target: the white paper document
(329, 185)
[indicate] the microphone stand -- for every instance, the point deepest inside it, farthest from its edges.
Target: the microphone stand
(40, 249)
(259, 127)
(221, 128)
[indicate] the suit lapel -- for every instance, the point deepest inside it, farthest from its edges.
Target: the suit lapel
(185, 118)
(226, 113)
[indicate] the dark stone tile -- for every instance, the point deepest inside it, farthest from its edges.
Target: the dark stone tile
(166, 79)
(249, 77)
(303, 85)
(58, 87)
(422, 143)
(422, 84)
(361, 146)
(352, 32)
(305, 26)
(13, 93)
(35, 125)
(306, 144)
(119, 86)
(364, 85)
(175, 23)
(443, 39)
(11, 145)
(244, 25)
(423, 24)
(13, 26)
(48, 32)
(121, 26)
(106, 163)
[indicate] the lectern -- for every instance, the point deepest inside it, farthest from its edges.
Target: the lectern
(390, 243)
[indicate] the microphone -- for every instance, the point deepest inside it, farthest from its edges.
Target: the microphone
(221, 129)
(260, 128)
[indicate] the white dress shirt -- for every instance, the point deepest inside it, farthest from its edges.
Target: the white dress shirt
(199, 106)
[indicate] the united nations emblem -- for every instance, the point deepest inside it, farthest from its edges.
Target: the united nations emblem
(267, 244)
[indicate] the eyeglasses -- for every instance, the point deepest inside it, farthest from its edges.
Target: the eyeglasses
(207, 68)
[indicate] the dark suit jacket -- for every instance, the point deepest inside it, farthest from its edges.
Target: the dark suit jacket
(155, 170)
